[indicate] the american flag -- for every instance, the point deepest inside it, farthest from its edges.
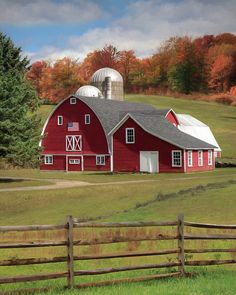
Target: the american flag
(73, 126)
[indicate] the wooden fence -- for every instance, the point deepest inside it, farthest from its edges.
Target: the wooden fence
(70, 243)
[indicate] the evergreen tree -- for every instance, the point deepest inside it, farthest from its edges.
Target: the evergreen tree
(19, 124)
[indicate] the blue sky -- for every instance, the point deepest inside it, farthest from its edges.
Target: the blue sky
(52, 29)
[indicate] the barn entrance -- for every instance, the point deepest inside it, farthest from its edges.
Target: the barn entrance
(149, 162)
(74, 163)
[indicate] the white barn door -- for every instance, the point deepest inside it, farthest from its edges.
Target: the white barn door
(149, 162)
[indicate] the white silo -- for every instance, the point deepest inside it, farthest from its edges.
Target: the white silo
(110, 83)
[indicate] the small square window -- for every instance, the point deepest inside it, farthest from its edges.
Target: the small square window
(74, 161)
(72, 100)
(100, 160)
(48, 160)
(129, 135)
(176, 159)
(200, 158)
(87, 119)
(59, 120)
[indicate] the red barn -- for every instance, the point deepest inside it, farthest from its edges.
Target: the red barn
(94, 134)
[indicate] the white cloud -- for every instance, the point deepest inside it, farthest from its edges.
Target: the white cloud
(28, 12)
(149, 22)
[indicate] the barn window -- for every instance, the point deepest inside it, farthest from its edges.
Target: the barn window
(72, 100)
(87, 119)
(73, 143)
(200, 158)
(129, 135)
(74, 161)
(210, 157)
(176, 159)
(100, 160)
(59, 120)
(190, 159)
(48, 160)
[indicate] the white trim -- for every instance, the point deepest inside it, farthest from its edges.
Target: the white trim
(200, 159)
(111, 156)
(66, 163)
(72, 100)
(210, 161)
(100, 164)
(82, 163)
(59, 123)
(172, 158)
(89, 155)
(128, 115)
(73, 141)
(46, 157)
(126, 135)
(190, 152)
(85, 117)
(185, 169)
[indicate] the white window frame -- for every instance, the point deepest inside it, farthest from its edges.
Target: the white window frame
(72, 100)
(127, 136)
(100, 160)
(48, 159)
(200, 158)
(74, 161)
(87, 119)
(73, 143)
(173, 159)
(59, 120)
(210, 161)
(190, 158)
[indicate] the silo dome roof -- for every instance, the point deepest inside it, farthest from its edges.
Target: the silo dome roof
(89, 91)
(101, 74)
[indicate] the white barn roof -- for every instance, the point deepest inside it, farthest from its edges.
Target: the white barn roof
(196, 128)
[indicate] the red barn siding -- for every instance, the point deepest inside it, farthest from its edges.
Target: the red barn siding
(195, 166)
(172, 118)
(127, 156)
(93, 137)
(90, 164)
(59, 163)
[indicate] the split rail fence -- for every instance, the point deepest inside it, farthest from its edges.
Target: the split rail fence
(70, 243)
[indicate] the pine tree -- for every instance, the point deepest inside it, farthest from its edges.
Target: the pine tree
(19, 124)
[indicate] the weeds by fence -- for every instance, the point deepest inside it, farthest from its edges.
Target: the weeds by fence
(71, 242)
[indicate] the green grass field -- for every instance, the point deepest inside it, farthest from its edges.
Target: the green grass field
(204, 197)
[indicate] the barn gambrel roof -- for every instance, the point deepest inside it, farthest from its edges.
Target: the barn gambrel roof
(113, 114)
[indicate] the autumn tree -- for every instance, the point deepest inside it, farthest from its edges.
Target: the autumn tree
(35, 75)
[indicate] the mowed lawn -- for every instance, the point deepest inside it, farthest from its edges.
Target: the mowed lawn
(204, 197)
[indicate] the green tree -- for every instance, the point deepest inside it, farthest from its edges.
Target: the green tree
(19, 124)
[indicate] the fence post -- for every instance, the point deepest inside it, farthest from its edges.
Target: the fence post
(70, 254)
(181, 255)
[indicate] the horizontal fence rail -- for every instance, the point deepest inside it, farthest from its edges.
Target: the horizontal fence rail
(178, 261)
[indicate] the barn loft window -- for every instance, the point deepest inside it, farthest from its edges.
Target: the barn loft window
(73, 143)
(200, 158)
(210, 157)
(190, 159)
(176, 159)
(100, 160)
(72, 100)
(87, 119)
(129, 135)
(59, 120)
(48, 160)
